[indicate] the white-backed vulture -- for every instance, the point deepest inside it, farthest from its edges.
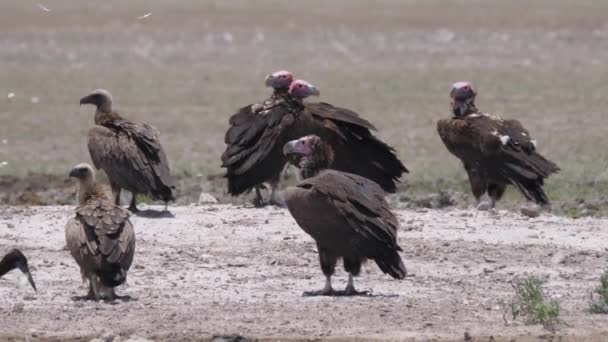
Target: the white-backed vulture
(346, 214)
(254, 155)
(495, 152)
(16, 260)
(129, 153)
(100, 237)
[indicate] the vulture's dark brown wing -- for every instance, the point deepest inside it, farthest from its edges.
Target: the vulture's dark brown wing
(327, 111)
(255, 147)
(348, 215)
(132, 157)
(101, 240)
(357, 150)
(476, 139)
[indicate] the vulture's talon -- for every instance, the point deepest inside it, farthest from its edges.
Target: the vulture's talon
(323, 292)
(484, 206)
(351, 291)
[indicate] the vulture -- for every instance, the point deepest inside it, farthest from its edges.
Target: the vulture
(129, 153)
(247, 140)
(257, 134)
(495, 151)
(100, 237)
(345, 213)
(15, 259)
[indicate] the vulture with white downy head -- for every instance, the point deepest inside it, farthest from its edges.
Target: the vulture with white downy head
(495, 152)
(16, 260)
(129, 153)
(253, 154)
(346, 214)
(100, 237)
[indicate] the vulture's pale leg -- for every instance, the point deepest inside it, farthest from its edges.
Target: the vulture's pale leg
(328, 265)
(326, 291)
(258, 200)
(275, 197)
(133, 206)
(495, 191)
(353, 267)
(116, 192)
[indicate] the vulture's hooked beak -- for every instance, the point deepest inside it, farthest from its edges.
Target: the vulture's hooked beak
(26, 271)
(268, 80)
(315, 91)
(86, 100)
(290, 148)
(76, 173)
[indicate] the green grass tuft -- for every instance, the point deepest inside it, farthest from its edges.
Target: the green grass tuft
(530, 304)
(599, 296)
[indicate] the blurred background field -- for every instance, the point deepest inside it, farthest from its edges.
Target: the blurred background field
(188, 65)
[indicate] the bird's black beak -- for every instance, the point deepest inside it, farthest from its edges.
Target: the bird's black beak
(26, 270)
(75, 173)
(86, 100)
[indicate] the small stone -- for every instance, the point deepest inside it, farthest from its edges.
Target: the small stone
(530, 211)
(206, 198)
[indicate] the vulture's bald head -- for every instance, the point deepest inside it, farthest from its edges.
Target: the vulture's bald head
(302, 89)
(83, 172)
(310, 154)
(279, 80)
(100, 98)
(463, 98)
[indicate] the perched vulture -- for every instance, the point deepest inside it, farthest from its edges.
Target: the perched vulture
(15, 259)
(346, 214)
(254, 152)
(495, 152)
(249, 140)
(100, 237)
(129, 153)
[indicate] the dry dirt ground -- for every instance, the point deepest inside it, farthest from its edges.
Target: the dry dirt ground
(222, 270)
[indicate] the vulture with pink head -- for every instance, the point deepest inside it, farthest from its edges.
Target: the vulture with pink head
(257, 134)
(495, 151)
(346, 214)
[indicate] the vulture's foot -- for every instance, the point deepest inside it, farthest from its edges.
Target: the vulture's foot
(484, 206)
(323, 292)
(351, 291)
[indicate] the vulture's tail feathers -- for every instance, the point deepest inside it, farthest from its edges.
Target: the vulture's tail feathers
(391, 264)
(527, 172)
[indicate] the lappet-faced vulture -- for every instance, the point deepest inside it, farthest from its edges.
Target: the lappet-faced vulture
(495, 152)
(129, 153)
(100, 237)
(253, 155)
(15, 259)
(346, 214)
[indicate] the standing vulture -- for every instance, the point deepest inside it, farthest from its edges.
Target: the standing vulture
(129, 153)
(15, 259)
(254, 155)
(495, 152)
(346, 214)
(246, 139)
(100, 237)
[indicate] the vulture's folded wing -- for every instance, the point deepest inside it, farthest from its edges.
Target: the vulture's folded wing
(356, 149)
(255, 152)
(104, 239)
(131, 155)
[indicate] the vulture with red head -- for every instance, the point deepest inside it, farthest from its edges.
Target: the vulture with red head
(495, 151)
(100, 237)
(16, 260)
(257, 134)
(346, 214)
(129, 153)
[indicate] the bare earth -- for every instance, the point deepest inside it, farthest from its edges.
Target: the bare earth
(221, 269)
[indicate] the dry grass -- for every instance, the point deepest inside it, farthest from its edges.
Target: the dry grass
(188, 66)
